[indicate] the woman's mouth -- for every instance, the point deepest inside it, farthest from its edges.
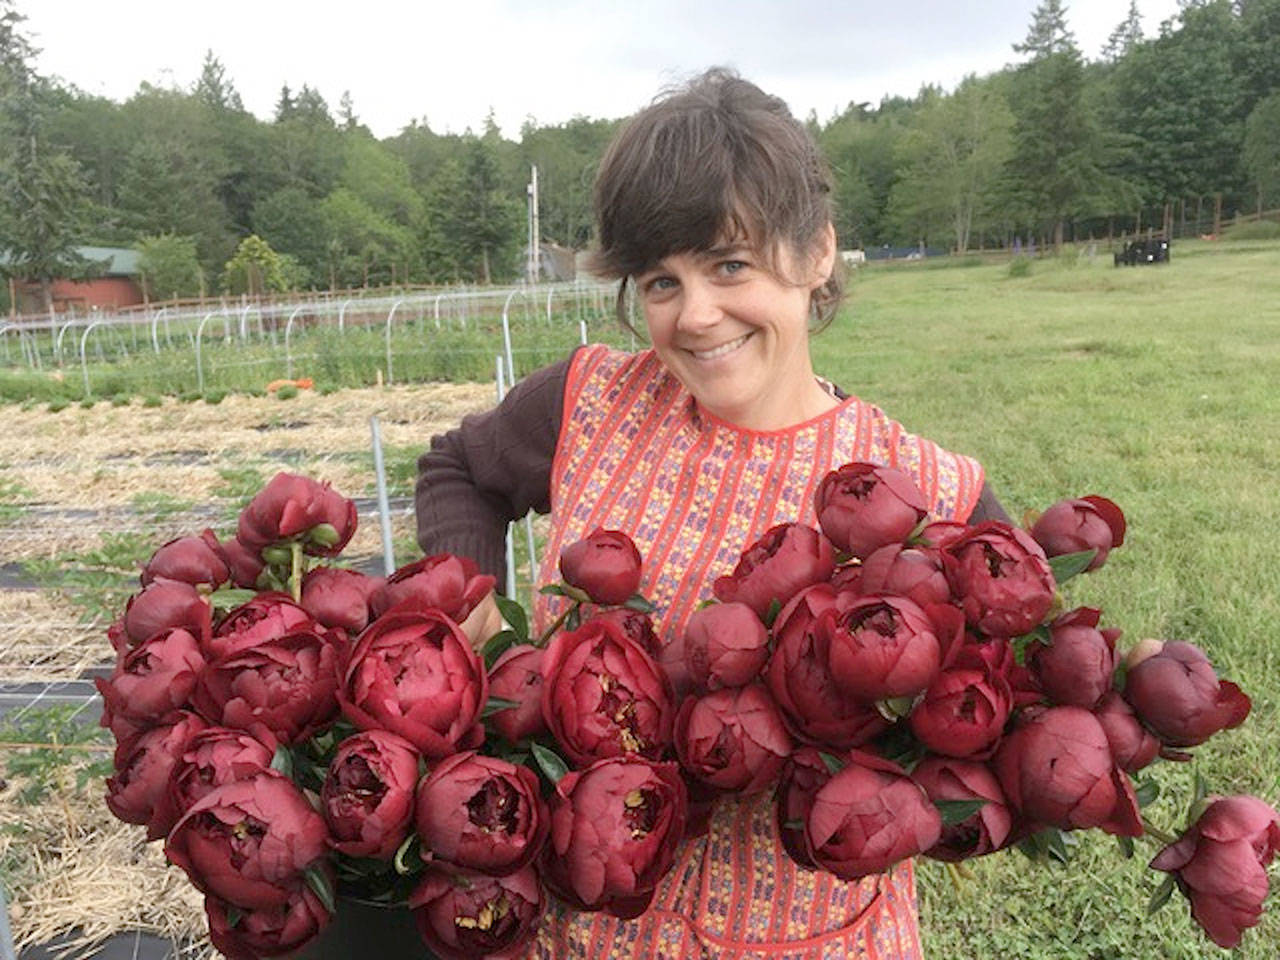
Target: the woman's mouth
(724, 349)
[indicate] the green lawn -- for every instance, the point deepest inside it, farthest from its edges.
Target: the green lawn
(1160, 388)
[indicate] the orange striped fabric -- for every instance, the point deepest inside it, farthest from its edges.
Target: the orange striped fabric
(635, 453)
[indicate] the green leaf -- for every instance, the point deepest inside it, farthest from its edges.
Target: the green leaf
(282, 761)
(1201, 789)
(1059, 845)
(770, 615)
(552, 763)
(958, 811)
(497, 645)
(553, 590)
(234, 914)
(496, 705)
(230, 597)
(637, 602)
(1162, 895)
(834, 763)
(1067, 565)
(1126, 847)
(514, 614)
(322, 886)
(1147, 791)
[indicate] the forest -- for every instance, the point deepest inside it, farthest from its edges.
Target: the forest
(1163, 130)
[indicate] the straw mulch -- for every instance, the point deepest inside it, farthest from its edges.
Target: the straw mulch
(42, 640)
(81, 874)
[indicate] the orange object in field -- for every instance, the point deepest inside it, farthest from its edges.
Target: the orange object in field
(305, 383)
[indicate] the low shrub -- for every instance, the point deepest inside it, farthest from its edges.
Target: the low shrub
(1020, 266)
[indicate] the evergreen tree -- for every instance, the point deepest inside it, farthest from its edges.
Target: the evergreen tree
(1126, 36)
(214, 89)
(284, 104)
(1048, 33)
(42, 193)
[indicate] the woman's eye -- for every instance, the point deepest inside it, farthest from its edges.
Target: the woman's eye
(733, 266)
(659, 285)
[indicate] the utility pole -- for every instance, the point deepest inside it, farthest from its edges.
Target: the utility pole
(533, 264)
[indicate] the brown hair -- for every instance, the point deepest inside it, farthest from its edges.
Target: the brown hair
(716, 158)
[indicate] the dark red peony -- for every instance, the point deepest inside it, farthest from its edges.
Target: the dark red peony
(882, 646)
(867, 817)
(160, 606)
(482, 813)
(603, 695)
(453, 585)
(1221, 862)
(199, 561)
(1076, 666)
(723, 645)
(292, 507)
(985, 830)
(1056, 769)
(414, 672)
(249, 842)
(368, 794)
(138, 793)
(803, 773)
(461, 915)
(814, 708)
(788, 558)
(911, 572)
(286, 686)
(268, 932)
(605, 565)
(732, 739)
(245, 565)
(214, 756)
(339, 598)
(1132, 745)
(1178, 696)
(615, 828)
(862, 507)
(517, 676)
(1086, 523)
(963, 712)
(1001, 578)
(154, 678)
(267, 616)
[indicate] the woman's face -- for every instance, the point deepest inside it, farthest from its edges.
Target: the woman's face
(735, 334)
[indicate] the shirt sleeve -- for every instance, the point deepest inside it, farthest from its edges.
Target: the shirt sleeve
(492, 469)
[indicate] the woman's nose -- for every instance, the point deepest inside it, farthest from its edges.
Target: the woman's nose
(699, 307)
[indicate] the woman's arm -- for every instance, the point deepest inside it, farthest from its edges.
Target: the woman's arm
(490, 470)
(988, 508)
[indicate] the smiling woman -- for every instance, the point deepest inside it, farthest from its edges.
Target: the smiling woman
(715, 203)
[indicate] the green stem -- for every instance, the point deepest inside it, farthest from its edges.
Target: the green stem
(295, 574)
(1155, 833)
(547, 634)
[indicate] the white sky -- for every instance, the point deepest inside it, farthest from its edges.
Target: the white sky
(450, 61)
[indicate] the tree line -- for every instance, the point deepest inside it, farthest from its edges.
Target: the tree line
(1054, 146)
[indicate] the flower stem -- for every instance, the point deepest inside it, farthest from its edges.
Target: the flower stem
(547, 634)
(1155, 833)
(295, 574)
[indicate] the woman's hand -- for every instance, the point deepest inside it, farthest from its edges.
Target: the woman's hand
(483, 622)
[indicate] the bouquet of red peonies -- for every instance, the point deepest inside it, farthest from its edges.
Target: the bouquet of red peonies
(299, 733)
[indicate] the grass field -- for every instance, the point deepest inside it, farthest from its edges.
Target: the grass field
(1158, 387)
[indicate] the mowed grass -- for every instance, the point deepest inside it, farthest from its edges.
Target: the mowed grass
(1160, 388)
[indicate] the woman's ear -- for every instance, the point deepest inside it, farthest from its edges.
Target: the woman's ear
(824, 257)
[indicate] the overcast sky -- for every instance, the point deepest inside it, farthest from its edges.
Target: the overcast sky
(450, 62)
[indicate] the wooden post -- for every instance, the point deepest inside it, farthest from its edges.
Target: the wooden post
(1199, 203)
(1168, 219)
(13, 299)
(1182, 213)
(1217, 214)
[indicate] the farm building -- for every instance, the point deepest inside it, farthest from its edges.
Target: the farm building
(114, 286)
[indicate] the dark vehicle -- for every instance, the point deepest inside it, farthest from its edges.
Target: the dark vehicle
(1150, 250)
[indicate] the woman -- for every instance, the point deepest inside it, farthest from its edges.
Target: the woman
(716, 204)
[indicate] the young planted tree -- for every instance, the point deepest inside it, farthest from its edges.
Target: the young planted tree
(170, 267)
(255, 269)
